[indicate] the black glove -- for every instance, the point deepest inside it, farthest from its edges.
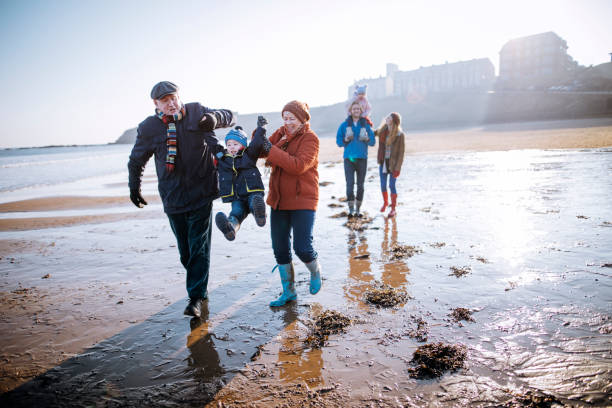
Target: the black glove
(208, 123)
(136, 198)
(261, 121)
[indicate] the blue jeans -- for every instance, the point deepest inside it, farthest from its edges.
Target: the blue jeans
(193, 233)
(242, 206)
(352, 166)
(383, 181)
(282, 222)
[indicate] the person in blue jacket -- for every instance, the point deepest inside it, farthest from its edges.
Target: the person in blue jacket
(240, 180)
(355, 136)
(182, 139)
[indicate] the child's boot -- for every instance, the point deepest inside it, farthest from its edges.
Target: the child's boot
(393, 204)
(385, 201)
(228, 226)
(315, 276)
(259, 210)
(351, 206)
(287, 276)
(357, 208)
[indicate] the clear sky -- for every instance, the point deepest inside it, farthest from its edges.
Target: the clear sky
(80, 72)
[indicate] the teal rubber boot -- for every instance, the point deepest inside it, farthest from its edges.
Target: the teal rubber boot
(287, 276)
(315, 275)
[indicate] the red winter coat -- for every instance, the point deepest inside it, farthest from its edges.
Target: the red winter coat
(294, 180)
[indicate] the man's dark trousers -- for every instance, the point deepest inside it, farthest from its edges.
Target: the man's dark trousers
(193, 233)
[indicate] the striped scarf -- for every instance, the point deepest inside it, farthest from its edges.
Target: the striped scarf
(169, 121)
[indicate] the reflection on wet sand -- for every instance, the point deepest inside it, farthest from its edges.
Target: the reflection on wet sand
(394, 273)
(166, 360)
(360, 269)
(203, 359)
(297, 363)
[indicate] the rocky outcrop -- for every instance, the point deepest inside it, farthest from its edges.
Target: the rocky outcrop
(128, 137)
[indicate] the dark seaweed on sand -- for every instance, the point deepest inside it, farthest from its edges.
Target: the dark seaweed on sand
(328, 322)
(459, 272)
(432, 360)
(421, 331)
(403, 251)
(461, 313)
(531, 399)
(358, 223)
(386, 296)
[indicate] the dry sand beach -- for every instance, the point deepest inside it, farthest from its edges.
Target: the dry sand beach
(79, 269)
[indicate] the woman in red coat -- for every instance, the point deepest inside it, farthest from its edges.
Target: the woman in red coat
(293, 196)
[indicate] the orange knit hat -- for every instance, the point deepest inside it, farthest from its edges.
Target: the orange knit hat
(299, 109)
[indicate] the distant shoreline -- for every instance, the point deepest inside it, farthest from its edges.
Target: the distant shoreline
(58, 146)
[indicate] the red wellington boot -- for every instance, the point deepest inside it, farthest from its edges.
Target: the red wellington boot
(385, 201)
(393, 204)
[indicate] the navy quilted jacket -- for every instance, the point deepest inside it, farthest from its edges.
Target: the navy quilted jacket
(239, 175)
(193, 183)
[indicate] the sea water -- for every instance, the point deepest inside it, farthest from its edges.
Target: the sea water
(46, 166)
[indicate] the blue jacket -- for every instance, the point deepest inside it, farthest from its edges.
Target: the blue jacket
(193, 183)
(355, 149)
(239, 175)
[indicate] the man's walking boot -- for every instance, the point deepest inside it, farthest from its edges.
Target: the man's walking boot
(385, 201)
(315, 275)
(357, 208)
(351, 206)
(194, 308)
(259, 210)
(393, 204)
(287, 276)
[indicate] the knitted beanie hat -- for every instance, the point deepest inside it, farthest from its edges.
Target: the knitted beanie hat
(299, 109)
(238, 135)
(361, 89)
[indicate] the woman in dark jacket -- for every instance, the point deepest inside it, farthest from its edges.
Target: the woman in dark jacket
(390, 157)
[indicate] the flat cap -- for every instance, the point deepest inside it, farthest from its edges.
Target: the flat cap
(162, 89)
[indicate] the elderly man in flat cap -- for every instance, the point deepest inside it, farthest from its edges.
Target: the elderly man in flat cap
(182, 138)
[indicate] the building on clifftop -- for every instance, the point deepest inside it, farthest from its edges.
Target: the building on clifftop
(535, 62)
(473, 75)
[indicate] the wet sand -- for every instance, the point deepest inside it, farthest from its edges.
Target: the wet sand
(110, 272)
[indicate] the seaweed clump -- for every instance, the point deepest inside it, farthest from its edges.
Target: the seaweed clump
(328, 322)
(358, 223)
(421, 331)
(459, 272)
(531, 399)
(403, 251)
(461, 313)
(432, 360)
(386, 296)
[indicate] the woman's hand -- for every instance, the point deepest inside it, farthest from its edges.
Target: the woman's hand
(395, 174)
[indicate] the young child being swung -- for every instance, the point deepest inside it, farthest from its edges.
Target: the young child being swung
(240, 180)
